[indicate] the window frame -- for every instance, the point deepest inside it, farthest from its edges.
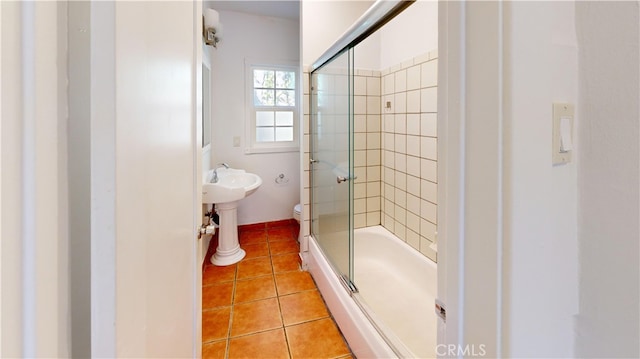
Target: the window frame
(252, 145)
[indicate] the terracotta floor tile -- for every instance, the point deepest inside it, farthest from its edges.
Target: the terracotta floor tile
(280, 234)
(256, 250)
(214, 350)
(281, 223)
(217, 295)
(286, 263)
(251, 268)
(214, 274)
(271, 344)
(255, 317)
(254, 289)
(252, 237)
(317, 339)
(302, 307)
(215, 324)
(251, 227)
(282, 247)
(293, 282)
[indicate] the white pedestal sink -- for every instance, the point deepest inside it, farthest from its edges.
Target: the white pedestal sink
(232, 186)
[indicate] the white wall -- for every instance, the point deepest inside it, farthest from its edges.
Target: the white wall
(417, 26)
(324, 22)
(608, 133)
(34, 284)
(541, 287)
(257, 38)
(146, 279)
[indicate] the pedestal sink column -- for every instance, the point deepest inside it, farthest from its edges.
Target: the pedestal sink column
(228, 251)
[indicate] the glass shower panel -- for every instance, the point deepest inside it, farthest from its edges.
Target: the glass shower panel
(332, 161)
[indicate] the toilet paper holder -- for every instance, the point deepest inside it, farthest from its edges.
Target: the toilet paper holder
(281, 179)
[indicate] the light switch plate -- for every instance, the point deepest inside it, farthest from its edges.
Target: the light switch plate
(561, 110)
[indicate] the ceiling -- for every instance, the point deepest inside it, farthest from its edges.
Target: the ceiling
(289, 9)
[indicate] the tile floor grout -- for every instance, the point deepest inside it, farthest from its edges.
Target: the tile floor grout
(262, 235)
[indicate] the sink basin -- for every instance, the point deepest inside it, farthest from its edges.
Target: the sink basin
(232, 185)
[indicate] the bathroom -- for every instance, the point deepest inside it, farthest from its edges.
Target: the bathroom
(102, 171)
(395, 186)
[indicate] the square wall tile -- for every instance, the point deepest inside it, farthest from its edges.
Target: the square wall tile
(389, 192)
(373, 105)
(428, 170)
(400, 180)
(429, 124)
(413, 238)
(360, 158)
(389, 159)
(413, 185)
(428, 211)
(429, 99)
(360, 105)
(373, 123)
(389, 123)
(400, 101)
(413, 77)
(400, 215)
(373, 86)
(413, 146)
(413, 124)
(401, 81)
(400, 199)
(429, 148)
(373, 218)
(429, 191)
(373, 140)
(373, 157)
(400, 143)
(373, 204)
(413, 166)
(428, 229)
(373, 173)
(360, 85)
(373, 189)
(429, 74)
(400, 123)
(360, 205)
(401, 162)
(359, 190)
(388, 82)
(360, 220)
(413, 101)
(360, 141)
(413, 204)
(389, 176)
(360, 123)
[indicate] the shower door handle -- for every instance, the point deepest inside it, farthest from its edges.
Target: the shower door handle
(341, 179)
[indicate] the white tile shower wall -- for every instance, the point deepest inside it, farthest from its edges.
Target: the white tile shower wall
(395, 141)
(409, 151)
(367, 147)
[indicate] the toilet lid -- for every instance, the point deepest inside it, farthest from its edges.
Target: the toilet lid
(298, 208)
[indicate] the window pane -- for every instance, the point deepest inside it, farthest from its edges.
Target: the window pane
(263, 78)
(285, 98)
(264, 118)
(284, 118)
(285, 79)
(263, 97)
(264, 134)
(284, 134)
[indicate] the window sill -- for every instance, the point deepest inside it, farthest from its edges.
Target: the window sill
(256, 150)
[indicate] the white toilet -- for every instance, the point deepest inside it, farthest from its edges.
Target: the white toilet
(297, 210)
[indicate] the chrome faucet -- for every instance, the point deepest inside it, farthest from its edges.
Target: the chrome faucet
(214, 179)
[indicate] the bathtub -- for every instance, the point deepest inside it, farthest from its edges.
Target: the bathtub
(392, 314)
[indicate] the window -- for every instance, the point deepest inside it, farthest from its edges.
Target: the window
(273, 108)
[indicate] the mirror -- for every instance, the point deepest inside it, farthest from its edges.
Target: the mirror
(206, 106)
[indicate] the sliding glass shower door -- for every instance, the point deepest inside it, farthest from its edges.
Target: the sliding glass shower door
(332, 161)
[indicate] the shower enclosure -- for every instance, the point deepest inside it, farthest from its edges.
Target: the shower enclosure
(382, 274)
